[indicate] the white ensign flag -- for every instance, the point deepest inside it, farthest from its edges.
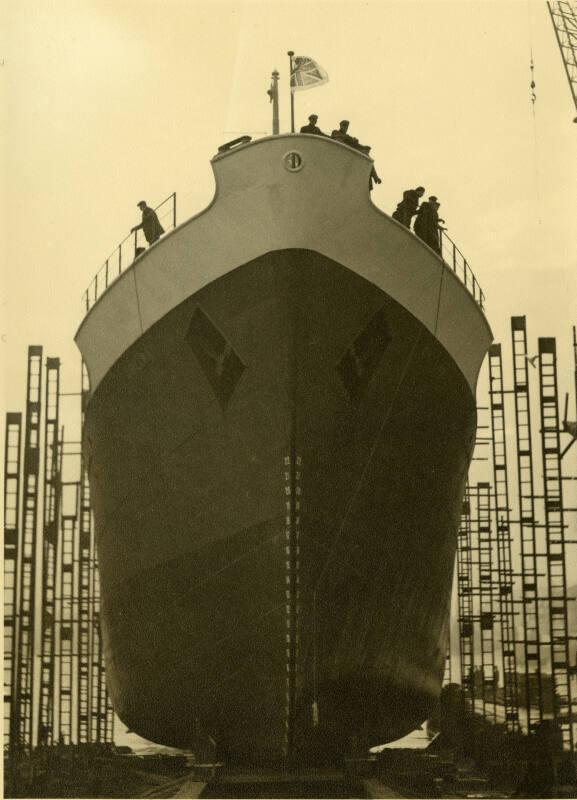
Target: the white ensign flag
(307, 74)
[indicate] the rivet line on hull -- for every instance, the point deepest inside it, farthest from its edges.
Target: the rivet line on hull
(292, 476)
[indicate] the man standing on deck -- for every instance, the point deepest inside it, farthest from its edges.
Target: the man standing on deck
(409, 206)
(150, 224)
(312, 126)
(427, 223)
(341, 135)
(373, 178)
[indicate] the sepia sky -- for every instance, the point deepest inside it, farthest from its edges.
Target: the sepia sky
(108, 103)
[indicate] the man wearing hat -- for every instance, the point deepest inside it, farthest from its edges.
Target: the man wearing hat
(312, 126)
(150, 224)
(427, 223)
(341, 135)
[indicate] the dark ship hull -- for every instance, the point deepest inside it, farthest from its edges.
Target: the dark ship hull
(277, 465)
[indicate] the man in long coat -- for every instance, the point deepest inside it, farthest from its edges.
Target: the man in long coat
(150, 224)
(427, 223)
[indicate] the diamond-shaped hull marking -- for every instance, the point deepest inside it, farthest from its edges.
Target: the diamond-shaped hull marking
(216, 356)
(359, 362)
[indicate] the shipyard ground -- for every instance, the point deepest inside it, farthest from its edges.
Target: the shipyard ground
(461, 755)
(432, 773)
(90, 771)
(408, 775)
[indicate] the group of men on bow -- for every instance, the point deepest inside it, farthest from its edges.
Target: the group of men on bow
(341, 135)
(427, 224)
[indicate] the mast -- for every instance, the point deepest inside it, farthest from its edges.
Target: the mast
(274, 99)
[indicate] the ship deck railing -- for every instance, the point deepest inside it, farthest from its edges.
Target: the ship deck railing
(133, 246)
(454, 259)
(129, 249)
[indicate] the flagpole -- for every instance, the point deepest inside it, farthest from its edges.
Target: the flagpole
(275, 116)
(290, 54)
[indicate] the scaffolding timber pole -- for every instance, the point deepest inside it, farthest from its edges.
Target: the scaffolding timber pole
(51, 497)
(570, 427)
(575, 367)
(465, 599)
(99, 725)
(505, 580)
(109, 719)
(557, 602)
(448, 672)
(86, 526)
(66, 618)
(95, 654)
(484, 548)
(97, 679)
(12, 466)
(447, 677)
(96, 663)
(527, 521)
(84, 610)
(25, 652)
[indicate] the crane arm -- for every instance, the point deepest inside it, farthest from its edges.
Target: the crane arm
(564, 17)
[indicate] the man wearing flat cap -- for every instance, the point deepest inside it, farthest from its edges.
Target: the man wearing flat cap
(312, 126)
(150, 224)
(341, 135)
